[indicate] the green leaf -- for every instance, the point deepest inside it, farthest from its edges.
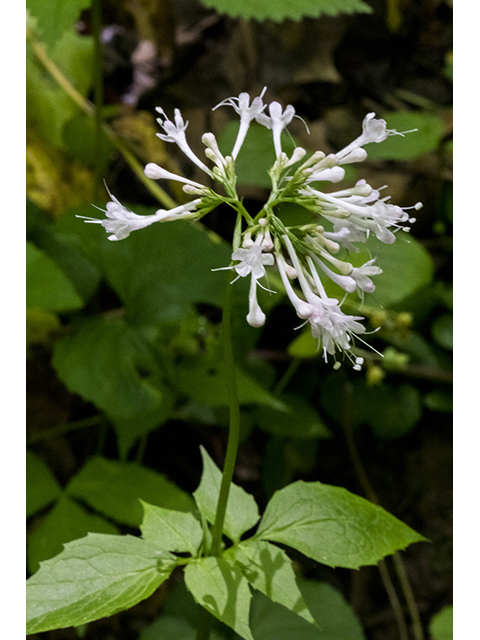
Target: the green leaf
(221, 588)
(333, 615)
(152, 276)
(413, 145)
(94, 577)
(285, 9)
(406, 268)
(172, 628)
(203, 380)
(49, 107)
(242, 511)
(47, 285)
(115, 488)
(333, 526)
(66, 521)
(52, 18)
(172, 530)
(269, 570)
(390, 410)
(271, 621)
(442, 330)
(300, 421)
(441, 625)
(42, 486)
(109, 364)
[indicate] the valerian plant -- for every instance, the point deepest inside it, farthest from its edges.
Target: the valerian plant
(225, 547)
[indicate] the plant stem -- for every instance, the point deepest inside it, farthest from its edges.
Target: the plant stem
(206, 620)
(97, 88)
(234, 422)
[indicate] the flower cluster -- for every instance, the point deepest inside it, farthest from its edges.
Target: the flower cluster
(302, 254)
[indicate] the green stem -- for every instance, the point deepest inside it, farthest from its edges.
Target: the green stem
(234, 425)
(206, 620)
(97, 89)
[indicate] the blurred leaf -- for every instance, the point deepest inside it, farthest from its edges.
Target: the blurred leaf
(108, 363)
(439, 400)
(220, 587)
(171, 529)
(115, 489)
(79, 136)
(66, 521)
(390, 410)
(242, 511)
(284, 9)
(300, 420)
(42, 486)
(47, 285)
(269, 570)
(159, 273)
(203, 380)
(442, 330)
(441, 625)
(49, 107)
(94, 577)
(333, 526)
(54, 17)
(257, 154)
(333, 615)
(412, 145)
(171, 628)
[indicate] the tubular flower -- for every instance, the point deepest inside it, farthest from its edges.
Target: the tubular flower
(304, 255)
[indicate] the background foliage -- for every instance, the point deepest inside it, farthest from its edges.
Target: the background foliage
(124, 365)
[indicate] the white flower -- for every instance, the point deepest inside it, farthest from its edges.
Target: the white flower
(121, 221)
(176, 133)
(247, 114)
(252, 260)
(155, 172)
(277, 121)
(255, 317)
(374, 130)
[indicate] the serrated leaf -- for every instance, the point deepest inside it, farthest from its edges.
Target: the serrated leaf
(221, 588)
(333, 526)
(42, 486)
(93, 577)
(107, 363)
(286, 9)
(65, 522)
(170, 529)
(115, 488)
(242, 511)
(269, 570)
(47, 285)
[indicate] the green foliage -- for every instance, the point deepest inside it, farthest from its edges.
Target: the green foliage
(169, 529)
(441, 625)
(332, 526)
(269, 569)
(116, 489)
(413, 145)
(285, 9)
(93, 577)
(42, 486)
(300, 421)
(53, 18)
(47, 285)
(221, 588)
(242, 511)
